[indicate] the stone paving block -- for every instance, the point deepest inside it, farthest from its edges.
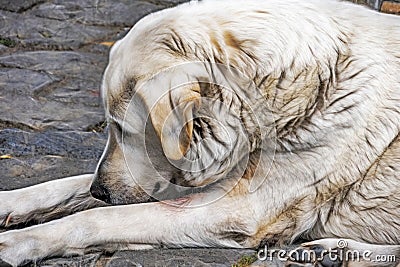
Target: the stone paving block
(95, 12)
(13, 81)
(44, 156)
(40, 169)
(69, 62)
(73, 144)
(375, 4)
(178, 257)
(79, 261)
(65, 81)
(25, 112)
(381, 5)
(31, 31)
(19, 6)
(158, 258)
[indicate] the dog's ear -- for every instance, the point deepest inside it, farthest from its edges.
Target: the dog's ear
(172, 119)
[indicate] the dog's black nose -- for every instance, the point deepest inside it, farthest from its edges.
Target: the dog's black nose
(100, 192)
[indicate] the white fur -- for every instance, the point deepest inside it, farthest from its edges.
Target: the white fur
(350, 53)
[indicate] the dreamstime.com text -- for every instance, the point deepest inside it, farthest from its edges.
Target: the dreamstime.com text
(340, 253)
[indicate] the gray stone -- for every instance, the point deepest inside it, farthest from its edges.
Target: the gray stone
(178, 257)
(40, 157)
(32, 31)
(65, 81)
(80, 261)
(18, 6)
(157, 258)
(23, 172)
(73, 144)
(95, 12)
(38, 114)
(13, 82)
(376, 4)
(268, 263)
(72, 24)
(79, 64)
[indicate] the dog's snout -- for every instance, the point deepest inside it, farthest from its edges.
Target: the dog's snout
(100, 192)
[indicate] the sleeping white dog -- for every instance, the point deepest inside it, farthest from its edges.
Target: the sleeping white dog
(250, 121)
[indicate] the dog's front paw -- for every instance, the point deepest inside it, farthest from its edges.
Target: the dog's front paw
(18, 247)
(14, 209)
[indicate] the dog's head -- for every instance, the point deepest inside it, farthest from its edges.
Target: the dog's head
(170, 125)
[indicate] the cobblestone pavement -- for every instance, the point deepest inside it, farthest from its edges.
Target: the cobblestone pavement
(52, 55)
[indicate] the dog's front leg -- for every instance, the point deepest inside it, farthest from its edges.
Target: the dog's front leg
(46, 201)
(217, 224)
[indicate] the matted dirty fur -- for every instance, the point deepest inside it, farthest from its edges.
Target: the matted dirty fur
(252, 121)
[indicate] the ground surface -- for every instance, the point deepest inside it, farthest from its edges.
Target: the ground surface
(52, 55)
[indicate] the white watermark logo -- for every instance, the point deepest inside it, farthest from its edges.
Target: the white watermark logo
(341, 252)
